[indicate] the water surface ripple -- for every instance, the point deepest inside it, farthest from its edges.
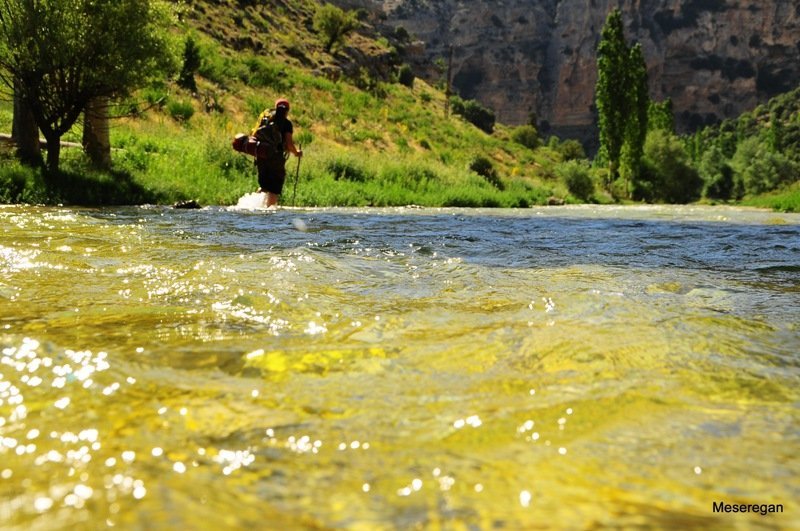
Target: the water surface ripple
(391, 368)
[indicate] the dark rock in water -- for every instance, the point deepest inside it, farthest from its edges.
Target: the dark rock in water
(555, 201)
(191, 203)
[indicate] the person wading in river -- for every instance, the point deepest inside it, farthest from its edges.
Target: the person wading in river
(275, 130)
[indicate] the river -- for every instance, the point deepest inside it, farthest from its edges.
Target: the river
(559, 367)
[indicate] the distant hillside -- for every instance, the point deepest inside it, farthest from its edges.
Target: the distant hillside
(776, 123)
(754, 154)
(282, 30)
(713, 58)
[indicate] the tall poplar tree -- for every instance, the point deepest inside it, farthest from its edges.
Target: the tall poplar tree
(622, 100)
(611, 92)
(636, 122)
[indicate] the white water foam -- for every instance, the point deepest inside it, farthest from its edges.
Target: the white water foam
(252, 201)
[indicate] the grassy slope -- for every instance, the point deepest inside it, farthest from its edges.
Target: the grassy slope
(383, 144)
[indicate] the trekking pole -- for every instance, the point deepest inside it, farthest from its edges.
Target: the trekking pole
(297, 174)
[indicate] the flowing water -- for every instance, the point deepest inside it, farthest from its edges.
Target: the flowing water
(564, 367)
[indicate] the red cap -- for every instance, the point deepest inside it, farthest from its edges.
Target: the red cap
(282, 102)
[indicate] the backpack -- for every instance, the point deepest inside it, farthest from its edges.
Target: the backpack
(268, 134)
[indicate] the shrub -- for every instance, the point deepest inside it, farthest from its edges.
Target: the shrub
(191, 63)
(571, 150)
(526, 135)
(347, 170)
(333, 25)
(265, 74)
(405, 76)
(181, 111)
(575, 175)
(760, 170)
(155, 95)
(401, 34)
(717, 174)
(666, 176)
(474, 113)
(484, 167)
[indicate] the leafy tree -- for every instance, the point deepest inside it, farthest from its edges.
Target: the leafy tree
(666, 173)
(759, 170)
(571, 149)
(755, 153)
(59, 55)
(575, 174)
(333, 24)
(717, 173)
(636, 123)
(622, 101)
(611, 91)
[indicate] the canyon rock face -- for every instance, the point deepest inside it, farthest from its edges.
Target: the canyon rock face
(714, 58)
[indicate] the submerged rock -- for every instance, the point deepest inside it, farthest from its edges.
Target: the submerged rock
(191, 203)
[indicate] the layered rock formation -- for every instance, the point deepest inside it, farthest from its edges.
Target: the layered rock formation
(713, 58)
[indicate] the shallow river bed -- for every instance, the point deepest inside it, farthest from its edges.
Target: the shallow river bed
(564, 367)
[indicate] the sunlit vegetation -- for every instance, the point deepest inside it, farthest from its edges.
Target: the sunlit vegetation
(373, 134)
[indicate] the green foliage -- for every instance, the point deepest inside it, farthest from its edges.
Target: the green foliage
(191, 63)
(787, 200)
(636, 123)
(570, 149)
(666, 174)
(612, 92)
(401, 34)
(622, 99)
(76, 183)
(660, 116)
(759, 170)
(155, 95)
(405, 76)
(484, 167)
(526, 135)
(718, 175)
(21, 183)
(753, 154)
(333, 25)
(180, 110)
(576, 176)
(474, 113)
(97, 48)
(218, 67)
(346, 169)
(263, 73)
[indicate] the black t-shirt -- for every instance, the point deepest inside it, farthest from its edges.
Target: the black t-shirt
(285, 125)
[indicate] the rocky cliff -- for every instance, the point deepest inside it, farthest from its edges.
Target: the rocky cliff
(713, 58)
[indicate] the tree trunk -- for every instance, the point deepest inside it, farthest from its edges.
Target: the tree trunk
(53, 151)
(96, 136)
(25, 133)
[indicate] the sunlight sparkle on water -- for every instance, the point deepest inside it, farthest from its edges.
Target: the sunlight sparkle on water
(264, 359)
(473, 421)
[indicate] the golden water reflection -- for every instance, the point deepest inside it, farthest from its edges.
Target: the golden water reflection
(155, 374)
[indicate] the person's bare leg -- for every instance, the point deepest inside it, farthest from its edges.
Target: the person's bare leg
(272, 199)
